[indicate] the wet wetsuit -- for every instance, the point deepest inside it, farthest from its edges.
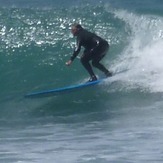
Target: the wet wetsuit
(95, 50)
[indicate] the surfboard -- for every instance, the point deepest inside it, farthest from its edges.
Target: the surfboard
(66, 89)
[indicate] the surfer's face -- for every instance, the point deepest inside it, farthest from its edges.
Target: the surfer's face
(74, 30)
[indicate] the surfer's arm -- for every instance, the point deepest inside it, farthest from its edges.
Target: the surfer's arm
(76, 51)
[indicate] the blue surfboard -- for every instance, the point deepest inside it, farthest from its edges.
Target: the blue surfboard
(57, 91)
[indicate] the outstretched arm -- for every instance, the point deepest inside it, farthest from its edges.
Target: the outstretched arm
(68, 63)
(76, 52)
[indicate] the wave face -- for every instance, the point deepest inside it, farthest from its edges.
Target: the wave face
(122, 113)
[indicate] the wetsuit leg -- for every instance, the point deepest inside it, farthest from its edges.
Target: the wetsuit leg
(85, 62)
(98, 54)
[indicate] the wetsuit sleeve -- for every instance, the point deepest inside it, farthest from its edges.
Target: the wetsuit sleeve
(76, 51)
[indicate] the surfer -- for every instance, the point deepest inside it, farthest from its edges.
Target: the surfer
(95, 49)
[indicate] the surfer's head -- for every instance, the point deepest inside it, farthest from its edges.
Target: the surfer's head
(75, 28)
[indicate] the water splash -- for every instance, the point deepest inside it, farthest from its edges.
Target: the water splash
(143, 55)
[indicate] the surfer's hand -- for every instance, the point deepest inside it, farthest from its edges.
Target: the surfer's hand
(68, 63)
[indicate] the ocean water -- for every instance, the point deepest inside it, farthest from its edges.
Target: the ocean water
(119, 121)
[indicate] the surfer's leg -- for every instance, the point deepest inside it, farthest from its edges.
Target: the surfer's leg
(97, 56)
(85, 62)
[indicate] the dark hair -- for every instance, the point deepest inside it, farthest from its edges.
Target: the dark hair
(78, 26)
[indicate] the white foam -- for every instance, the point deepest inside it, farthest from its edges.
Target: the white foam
(143, 57)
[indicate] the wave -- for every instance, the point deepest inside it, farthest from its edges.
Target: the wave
(37, 40)
(142, 57)
(36, 44)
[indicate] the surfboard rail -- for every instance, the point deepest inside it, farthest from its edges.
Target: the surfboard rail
(56, 91)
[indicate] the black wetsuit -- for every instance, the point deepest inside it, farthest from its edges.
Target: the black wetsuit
(95, 50)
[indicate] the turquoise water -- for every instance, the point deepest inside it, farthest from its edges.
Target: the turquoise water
(117, 121)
